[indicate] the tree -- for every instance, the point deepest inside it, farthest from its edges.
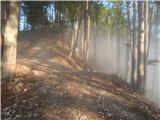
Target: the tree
(118, 13)
(74, 11)
(146, 38)
(134, 56)
(37, 16)
(10, 11)
(141, 49)
(76, 39)
(128, 41)
(86, 30)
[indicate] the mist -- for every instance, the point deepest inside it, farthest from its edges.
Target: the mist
(80, 60)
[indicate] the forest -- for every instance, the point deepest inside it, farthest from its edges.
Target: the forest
(80, 60)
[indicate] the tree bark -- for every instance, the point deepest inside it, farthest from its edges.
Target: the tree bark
(141, 49)
(9, 44)
(72, 36)
(76, 40)
(150, 16)
(134, 56)
(86, 30)
(128, 42)
(88, 36)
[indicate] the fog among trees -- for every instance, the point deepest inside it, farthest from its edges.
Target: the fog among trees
(80, 60)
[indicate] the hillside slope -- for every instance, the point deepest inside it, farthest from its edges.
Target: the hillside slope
(50, 86)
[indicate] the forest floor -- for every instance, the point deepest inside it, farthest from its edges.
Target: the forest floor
(50, 86)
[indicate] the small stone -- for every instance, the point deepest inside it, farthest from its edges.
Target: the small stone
(13, 111)
(15, 105)
(25, 90)
(35, 114)
(18, 116)
(16, 79)
(7, 113)
(20, 84)
(23, 101)
(10, 110)
(30, 115)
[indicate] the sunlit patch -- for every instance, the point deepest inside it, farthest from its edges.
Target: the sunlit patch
(70, 113)
(59, 60)
(83, 114)
(38, 73)
(34, 50)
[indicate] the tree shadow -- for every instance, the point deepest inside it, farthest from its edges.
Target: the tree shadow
(62, 90)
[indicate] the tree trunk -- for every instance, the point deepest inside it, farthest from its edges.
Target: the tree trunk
(10, 10)
(141, 50)
(146, 38)
(88, 36)
(83, 40)
(56, 13)
(150, 16)
(95, 32)
(128, 42)
(86, 30)
(134, 56)
(108, 38)
(118, 50)
(72, 35)
(76, 40)
(85, 33)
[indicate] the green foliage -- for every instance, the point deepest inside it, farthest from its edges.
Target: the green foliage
(36, 12)
(109, 17)
(105, 16)
(74, 10)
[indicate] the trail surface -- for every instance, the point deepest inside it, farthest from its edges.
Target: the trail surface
(50, 86)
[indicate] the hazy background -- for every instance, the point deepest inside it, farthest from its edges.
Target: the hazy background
(103, 55)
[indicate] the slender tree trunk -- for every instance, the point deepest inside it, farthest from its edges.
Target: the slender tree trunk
(10, 28)
(56, 13)
(134, 56)
(150, 16)
(108, 36)
(95, 38)
(82, 45)
(88, 36)
(118, 50)
(141, 49)
(95, 32)
(81, 41)
(86, 30)
(146, 38)
(128, 42)
(76, 40)
(72, 36)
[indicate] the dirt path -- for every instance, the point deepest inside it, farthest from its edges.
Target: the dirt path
(47, 87)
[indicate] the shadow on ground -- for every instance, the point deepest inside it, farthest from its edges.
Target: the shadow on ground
(48, 87)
